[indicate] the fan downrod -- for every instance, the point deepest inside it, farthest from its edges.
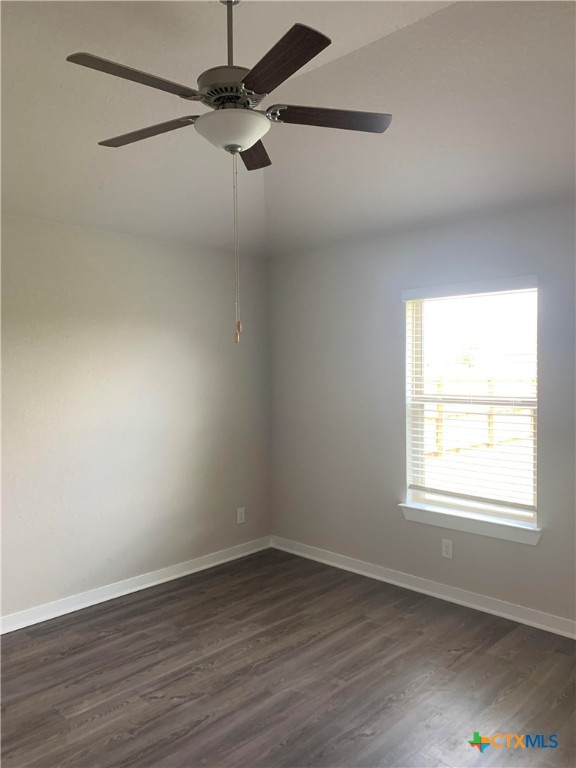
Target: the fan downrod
(230, 28)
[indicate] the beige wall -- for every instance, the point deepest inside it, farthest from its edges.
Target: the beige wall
(338, 395)
(133, 425)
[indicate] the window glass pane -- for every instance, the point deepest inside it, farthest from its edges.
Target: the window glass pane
(471, 388)
(479, 450)
(480, 345)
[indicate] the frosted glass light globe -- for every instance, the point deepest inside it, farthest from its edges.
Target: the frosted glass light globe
(238, 128)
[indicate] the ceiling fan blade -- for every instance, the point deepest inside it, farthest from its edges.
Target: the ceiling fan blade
(372, 122)
(127, 73)
(151, 130)
(298, 46)
(256, 157)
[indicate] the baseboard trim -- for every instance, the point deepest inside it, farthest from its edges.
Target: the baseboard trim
(40, 613)
(547, 621)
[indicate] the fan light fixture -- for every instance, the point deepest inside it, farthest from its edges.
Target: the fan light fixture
(233, 93)
(234, 130)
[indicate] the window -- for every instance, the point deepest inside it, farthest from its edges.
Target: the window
(471, 403)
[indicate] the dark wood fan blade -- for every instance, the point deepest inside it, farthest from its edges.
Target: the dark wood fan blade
(151, 130)
(256, 157)
(298, 46)
(373, 122)
(127, 73)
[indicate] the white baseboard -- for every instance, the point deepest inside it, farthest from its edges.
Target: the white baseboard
(519, 613)
(75, 602)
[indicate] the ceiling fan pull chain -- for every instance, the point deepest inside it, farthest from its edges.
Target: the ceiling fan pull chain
(236, 246)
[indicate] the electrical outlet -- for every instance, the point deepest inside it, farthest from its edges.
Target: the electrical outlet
(240, 515)
(447, 548)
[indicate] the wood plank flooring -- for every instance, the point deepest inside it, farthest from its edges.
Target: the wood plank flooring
(274, 661)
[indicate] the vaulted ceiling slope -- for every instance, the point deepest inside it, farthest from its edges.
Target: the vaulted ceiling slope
(175, 185)
(482, 96)
(483, 103)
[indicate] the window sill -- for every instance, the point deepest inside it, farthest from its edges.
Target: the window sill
(484, 525)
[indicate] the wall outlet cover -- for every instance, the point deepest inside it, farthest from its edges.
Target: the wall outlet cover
(447, 548)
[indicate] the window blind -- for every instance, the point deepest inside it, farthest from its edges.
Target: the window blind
(472, 401)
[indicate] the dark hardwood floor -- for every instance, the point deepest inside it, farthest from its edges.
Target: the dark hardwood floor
(275, 661)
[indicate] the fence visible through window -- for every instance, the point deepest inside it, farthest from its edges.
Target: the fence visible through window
(471, 398)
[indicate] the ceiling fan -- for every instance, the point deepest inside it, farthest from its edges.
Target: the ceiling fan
(234, 92)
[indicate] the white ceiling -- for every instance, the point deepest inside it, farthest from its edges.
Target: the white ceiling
(482, 96)
(483, 103)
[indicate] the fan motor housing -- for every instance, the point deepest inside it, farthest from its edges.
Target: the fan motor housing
(222, 86)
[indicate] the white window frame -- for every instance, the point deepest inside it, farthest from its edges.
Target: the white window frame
(471, 516)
